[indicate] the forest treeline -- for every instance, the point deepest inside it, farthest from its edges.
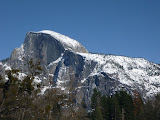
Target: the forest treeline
(22, 100)
(123, 106)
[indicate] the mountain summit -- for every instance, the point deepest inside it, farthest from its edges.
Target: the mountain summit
(67, 60)
(45, 45)
(68, 43)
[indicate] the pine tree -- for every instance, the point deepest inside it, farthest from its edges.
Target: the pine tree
(95, 104)
(105, 106)
(18, 97)
(138, 105)
(116, 108)
(148, 111)
(157, 106)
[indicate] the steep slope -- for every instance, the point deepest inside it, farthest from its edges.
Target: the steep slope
(107, 73)
(2, 72)
(44, 45)
(68, 63)
(137, 73)
(68, 43)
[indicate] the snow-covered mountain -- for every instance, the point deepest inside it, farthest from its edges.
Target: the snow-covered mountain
(45, 45)
(137, 73)
(67, 60)
(68, 43)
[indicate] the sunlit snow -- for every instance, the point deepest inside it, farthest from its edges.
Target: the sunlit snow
(6, 67)
(20, 52)
(62, 38)
(129, 71)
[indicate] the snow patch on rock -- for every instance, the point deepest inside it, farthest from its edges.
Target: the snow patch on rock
(128, 71)
(65, 40)
(20, 52)
(6, 67)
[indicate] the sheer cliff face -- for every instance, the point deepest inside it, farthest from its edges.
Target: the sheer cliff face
(44, 45)
(67, 60)
(107, 73)
(2, 72)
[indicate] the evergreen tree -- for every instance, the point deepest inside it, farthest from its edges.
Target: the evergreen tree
(115, 107)
(138, 105)
(105, 106)
(126, 105)
(157, 106)
(17, 97)
(95, 104)
(148, 111)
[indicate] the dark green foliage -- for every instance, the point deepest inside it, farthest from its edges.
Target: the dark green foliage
(115, 107)
(95, 105)
(17, 96)
(122, 106)
(105, 103)
(26, 85)
(126, 104)
(148, 111)
(95, 98)
(151, 110)
(1, 82)
(1, 77)
(20, 100)
(13, 103)
(34, 66)
(98, 113)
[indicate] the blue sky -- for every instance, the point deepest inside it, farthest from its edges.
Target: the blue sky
(122, 27)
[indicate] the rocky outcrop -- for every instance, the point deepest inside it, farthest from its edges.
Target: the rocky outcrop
(107, 73)
(68, 43)
(68, 64)
(2, 72)
(42, 46)
(45, 46)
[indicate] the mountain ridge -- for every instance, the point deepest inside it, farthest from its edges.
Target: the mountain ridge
(65, 62)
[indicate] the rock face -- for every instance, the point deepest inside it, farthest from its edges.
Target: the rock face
(68, 63)
(44, 45)
(2, 72)
(107, 73)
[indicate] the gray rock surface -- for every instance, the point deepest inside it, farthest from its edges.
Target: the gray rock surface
(72, 66)
(134, 73)
(40, 46)
(2, 72)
